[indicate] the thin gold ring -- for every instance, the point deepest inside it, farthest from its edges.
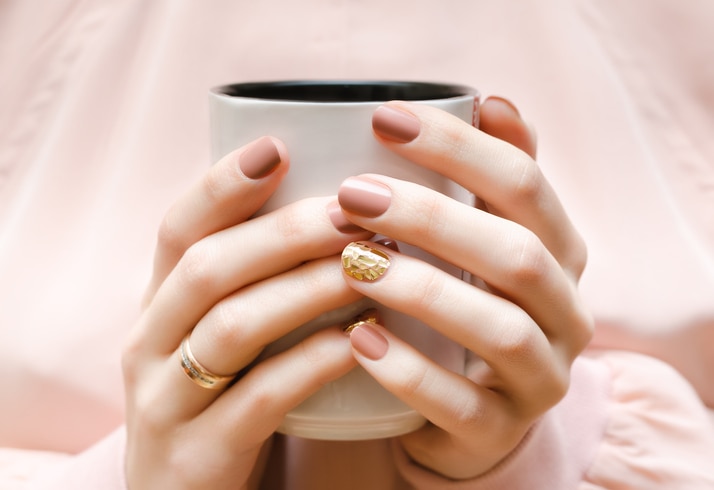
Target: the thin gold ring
(370, 316)
(197, 373)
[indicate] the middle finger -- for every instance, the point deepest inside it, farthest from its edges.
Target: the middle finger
(506, 255)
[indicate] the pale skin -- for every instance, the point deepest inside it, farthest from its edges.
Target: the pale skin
(218, 274)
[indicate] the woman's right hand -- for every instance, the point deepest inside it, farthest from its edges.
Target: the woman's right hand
(234, 284)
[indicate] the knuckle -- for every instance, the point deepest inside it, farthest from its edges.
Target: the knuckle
(529, 183)
(322, 360)
(518, 343)
(582, 334)
(430, 216)
(431, 290)
(170, 236)
(549, 389)
(559, 385)
(134, 354)
(293, 224)
(130, 358)
(226, 325)
(215, 186)
(265, 399)
(530, 259)
(148, 417)
(459, 142)
(468, 415)
(313, 357)
(578, 258)
(415, 380)
(196, 269)
(315, 278)
(313, 352)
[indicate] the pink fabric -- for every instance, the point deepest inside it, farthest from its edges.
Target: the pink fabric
(100, 466)
(657, 430)
(103, 123)
(559, 449)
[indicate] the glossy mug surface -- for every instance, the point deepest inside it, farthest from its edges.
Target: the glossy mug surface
(326, 126)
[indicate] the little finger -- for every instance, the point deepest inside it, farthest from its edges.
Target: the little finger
(251, 410)
(458, 408)
(231, 259)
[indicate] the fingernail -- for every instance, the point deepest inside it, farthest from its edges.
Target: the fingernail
(363, 262)
(389, 243)
(365, 197)
(368, 316)
(339, 221)
(259, 159)
(394, 124)
(506, 105)
(369, 342)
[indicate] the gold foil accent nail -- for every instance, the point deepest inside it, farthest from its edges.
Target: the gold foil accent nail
(370, 316)
(363, 262)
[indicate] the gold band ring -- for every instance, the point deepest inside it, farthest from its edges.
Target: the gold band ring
(197, 373)
(370, 316)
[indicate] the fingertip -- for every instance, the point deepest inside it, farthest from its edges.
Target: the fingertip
(395, 124)
(502, 104)
(500, 118)
(533, 149)
(389, 243)
(282, 150)
(340, 221)
(364, 262)
(368, 341)
(262, 157)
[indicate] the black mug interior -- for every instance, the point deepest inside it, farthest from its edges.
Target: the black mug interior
(344, 90)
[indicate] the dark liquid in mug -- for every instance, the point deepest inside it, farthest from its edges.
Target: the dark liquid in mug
(344, 91)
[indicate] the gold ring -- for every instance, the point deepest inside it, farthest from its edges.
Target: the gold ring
(370, 316)
(197, 373)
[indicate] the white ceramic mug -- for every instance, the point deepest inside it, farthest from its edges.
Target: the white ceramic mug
(326, 126)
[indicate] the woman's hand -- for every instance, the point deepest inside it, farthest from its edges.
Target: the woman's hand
(524, 328)
(234, 285)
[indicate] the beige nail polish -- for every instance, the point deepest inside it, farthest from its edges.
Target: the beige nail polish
(364, 196)
(260, 159)
(394, 124)
(339, 221)
(363, 262)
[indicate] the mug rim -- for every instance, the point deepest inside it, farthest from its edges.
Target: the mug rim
(344, 91)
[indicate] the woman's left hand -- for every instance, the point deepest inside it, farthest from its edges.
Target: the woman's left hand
(525, 328)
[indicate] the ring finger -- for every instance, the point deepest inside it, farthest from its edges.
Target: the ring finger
(498, 331)
(247, 175)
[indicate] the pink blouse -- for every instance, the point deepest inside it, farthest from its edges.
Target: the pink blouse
(103, 124)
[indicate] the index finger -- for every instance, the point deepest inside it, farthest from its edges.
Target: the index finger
(232, 190)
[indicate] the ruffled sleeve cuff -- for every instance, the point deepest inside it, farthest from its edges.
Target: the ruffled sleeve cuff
(629, 421)
(555, 454)
(659, 432)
